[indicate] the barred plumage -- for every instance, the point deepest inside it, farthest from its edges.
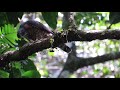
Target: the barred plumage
(33, 30)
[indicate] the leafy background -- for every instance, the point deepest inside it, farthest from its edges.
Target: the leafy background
(49, 64)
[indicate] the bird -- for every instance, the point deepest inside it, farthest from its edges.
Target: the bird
(34, 30)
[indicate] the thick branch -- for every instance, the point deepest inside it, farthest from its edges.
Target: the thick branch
(59, 38)
(93, 35)
(27, 50)
(80, 35)
(77, 63)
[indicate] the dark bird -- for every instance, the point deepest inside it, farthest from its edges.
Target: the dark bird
(33, 30)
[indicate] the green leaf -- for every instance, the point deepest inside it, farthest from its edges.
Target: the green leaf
(17, 65)
(51, 18)
(3, 18)
(96, 71)
(3, 30)
(84, 73)
(88, 18)
(15, 73)
(31, 74)
(105, 70)
(50, 53)
(29, 69)
(0, 32)
(114, 17)
(4, 74)
(10, 17)
(28, 65)
(13, 17)
(8, 35)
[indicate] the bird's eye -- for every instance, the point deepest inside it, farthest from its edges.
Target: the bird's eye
(26, 26)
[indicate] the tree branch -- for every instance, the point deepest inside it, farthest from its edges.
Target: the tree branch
(79, 35)
(75, 63)
(59, 38)
(80, 62)
(27, 50)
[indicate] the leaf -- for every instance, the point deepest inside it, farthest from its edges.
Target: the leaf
(28, 65)
(96, 71)
(114, 17)
(13, 17)
(105, 70)
(15, 73)
(17, 65)
(0, 32)
(4, 74)
(51, 18)
(31, 74)
(10, 17)
(8, 35)
(3, 18)
(50, 53)
(88, 18)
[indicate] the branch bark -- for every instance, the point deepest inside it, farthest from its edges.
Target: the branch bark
(59, 38)
(79, 62)
(79, 35)
(27, 50)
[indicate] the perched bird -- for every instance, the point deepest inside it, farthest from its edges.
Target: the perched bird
(33, 30)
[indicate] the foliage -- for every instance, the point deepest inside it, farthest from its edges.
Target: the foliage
(24, 69)
(9, 41)
(51, 18)
(88, 18)
(15, 15)
(10, 17)
(114, 18)
(4, 74)
(8, 37)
